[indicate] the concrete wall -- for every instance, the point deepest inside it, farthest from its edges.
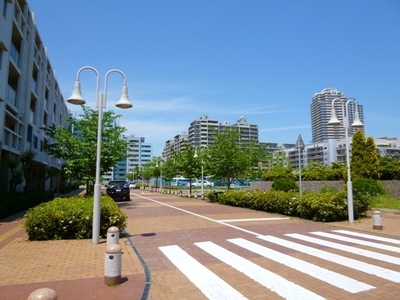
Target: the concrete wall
(391, 186)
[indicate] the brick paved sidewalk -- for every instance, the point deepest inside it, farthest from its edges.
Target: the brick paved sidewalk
(75, 268)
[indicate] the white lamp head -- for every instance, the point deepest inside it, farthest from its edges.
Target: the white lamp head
(357, 122)
(76, 96)
(334, 120)
(124, 100)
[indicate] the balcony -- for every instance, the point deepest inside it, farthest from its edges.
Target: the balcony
(34, 86)
(11, 96)
(15, 55)
(31, 115)
(11, 140)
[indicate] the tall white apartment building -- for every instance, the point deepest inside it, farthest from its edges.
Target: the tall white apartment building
(30, 97)
(177, 144)
(202, 130)
(321, 107)
(138, 154)
(201, 133)
(248, 131)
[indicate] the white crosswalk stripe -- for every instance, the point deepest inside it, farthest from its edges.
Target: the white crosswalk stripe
(338, 259)
(369, 236)
(214, 287)
(341, 281)
(355, 241)
(354, 250)
(272, 281)
(210, 284)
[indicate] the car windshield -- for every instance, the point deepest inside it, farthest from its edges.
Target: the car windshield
(115, 182)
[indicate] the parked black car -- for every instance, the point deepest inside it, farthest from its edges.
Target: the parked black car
(118, 190)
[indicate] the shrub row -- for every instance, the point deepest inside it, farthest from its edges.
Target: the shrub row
(13, 203)
(330, 206)
(71, 218)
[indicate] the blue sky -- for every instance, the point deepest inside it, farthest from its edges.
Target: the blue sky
(260, 59)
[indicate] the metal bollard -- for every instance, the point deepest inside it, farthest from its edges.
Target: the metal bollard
(112, 235)
(377, 219)
(43, 294)
(112, 265)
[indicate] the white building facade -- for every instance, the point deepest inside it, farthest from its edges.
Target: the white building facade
(138, 154)
(333, 150)
(201, 133)
(30, 97)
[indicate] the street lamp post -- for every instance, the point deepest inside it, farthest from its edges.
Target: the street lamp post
(77, 99)
(356, 123)
(159, 165)
(202, 169)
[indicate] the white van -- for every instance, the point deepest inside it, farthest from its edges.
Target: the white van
(179, 181)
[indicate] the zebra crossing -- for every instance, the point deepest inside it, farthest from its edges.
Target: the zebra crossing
(369, 254)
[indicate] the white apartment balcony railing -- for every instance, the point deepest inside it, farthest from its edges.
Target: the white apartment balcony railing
(36, 54)
(11, 139)
(11, 96)
(34, 86)
(31, 115)
(18, 16)
(15, 55)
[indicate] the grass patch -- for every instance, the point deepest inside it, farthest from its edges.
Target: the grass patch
(385, 201)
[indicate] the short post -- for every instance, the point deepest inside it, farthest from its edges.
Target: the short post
(195, 195)
(43, 294)
(112, 235)
(377, 219)
(112, 265)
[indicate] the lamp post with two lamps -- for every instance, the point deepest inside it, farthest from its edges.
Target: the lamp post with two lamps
(357, 124)
(202, 168)
(77, 99)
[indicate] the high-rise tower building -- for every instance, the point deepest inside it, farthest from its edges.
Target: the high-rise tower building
(321, 107)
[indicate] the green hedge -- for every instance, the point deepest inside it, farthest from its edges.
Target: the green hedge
(330, 206)
(71, 218)
(13, 203)
(284, 184)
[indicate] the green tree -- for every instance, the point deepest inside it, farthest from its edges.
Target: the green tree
(315, 171)
(364, 161)
(28, 167)
(337, 171)
(170, 168)
(188, 165)
(134, 174)
(16, 174)
(43, 173)
(22, 168)
(279, 171)
(389, 168)
(79, 149)
(372, 159)
(148, 170)
(229, 158)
